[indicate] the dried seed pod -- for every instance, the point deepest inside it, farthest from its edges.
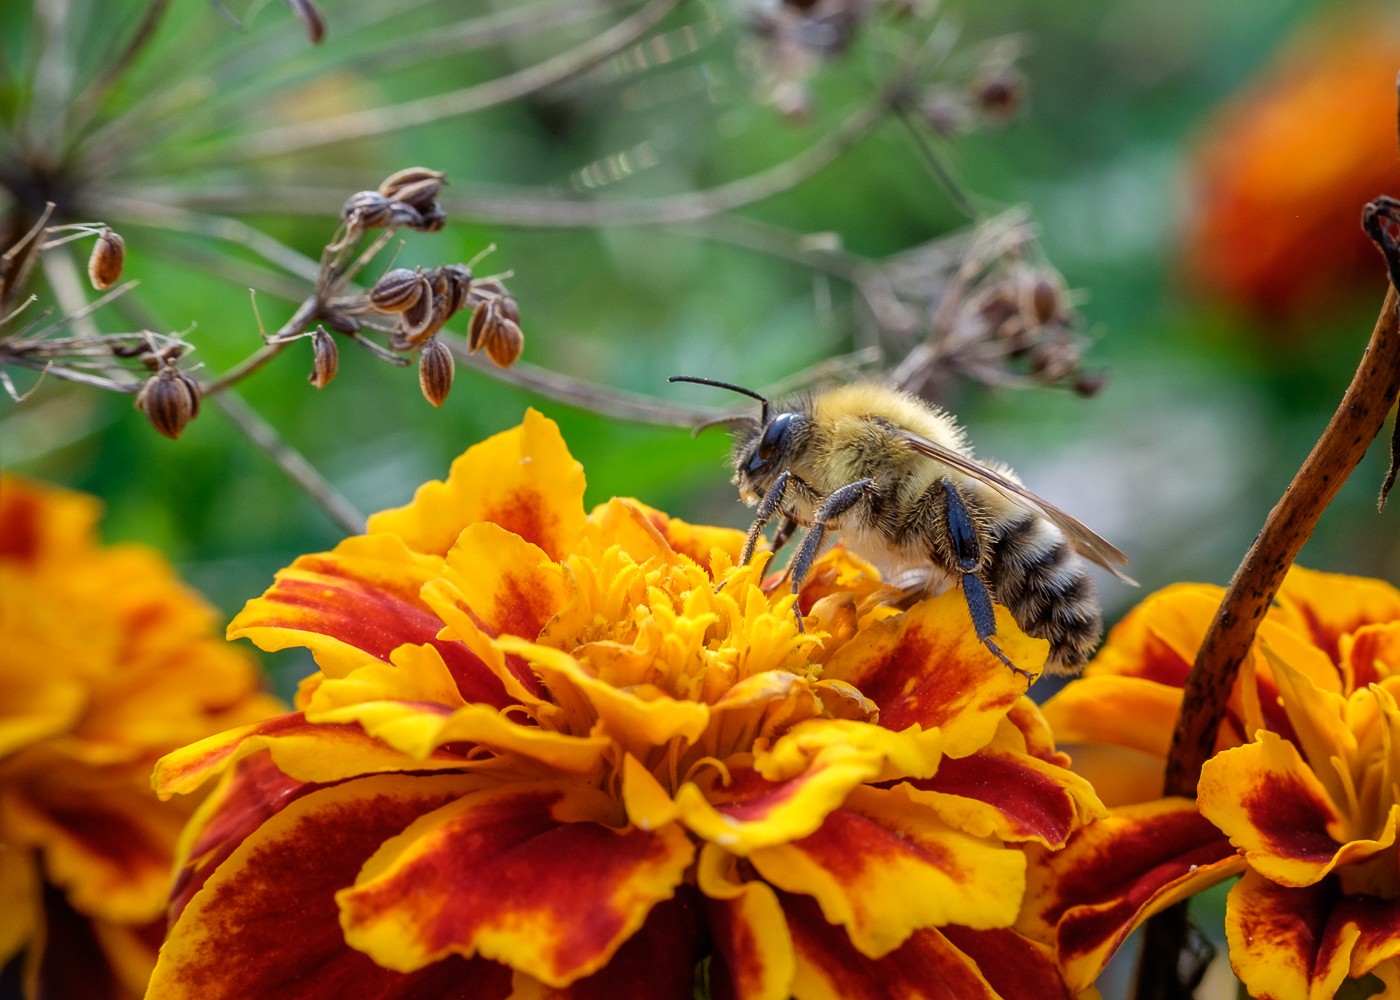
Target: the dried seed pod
(106, 260)
(999, 93)
(487, 288)
(1045, 299)
(325, 358)
(484, 318)
(508, 308)
(435, 370)
(433, 219)
(170, 400)
(1089, 383)
(506, 346)
(367, 209)
(416, 186)
(459, 284)
(401, 214)
(396, 291)
(422, 321)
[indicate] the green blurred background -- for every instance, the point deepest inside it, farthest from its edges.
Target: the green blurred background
(1205, 415)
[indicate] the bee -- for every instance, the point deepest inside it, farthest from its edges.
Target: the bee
(896, 477)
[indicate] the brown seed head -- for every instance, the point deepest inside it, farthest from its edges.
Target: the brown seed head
(170, 400)
(325, 358)
(398, 290)
(367, 209)
(459, 283)
(419, 323)
(505, 347)
(106, 260)
(416, 186)
(435, 370)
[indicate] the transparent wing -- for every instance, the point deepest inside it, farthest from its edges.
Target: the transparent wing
(1087, 543)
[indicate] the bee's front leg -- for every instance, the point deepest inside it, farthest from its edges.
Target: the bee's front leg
(967, 547)
(770, 504)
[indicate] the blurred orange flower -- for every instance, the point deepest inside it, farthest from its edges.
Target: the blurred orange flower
(545, 755)
(1282, 173)
(106, 663)
(1300, 797)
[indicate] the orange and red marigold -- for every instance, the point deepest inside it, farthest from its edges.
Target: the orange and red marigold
(106, 663)
(1302, 796)
(546, 755)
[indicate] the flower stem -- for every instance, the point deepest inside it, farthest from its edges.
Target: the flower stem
(1349, 433)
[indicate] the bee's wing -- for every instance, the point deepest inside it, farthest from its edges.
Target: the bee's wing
(1086, 542)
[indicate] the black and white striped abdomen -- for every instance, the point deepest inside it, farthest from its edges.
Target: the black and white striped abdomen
(1042, 581)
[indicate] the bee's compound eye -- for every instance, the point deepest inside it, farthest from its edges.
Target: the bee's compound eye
(773, 436)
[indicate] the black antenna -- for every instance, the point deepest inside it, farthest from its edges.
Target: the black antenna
(763, 410)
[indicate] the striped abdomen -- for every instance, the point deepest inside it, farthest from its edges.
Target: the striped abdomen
(1045, 585)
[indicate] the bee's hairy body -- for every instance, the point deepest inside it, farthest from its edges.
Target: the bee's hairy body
(903, 519)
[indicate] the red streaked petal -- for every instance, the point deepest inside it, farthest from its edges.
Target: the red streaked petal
(1012, 963)
(1130, 712)
(885, 866)
(302, 750)
(1377, 922)
(1009, 795)
(927, 668)
(926, 967)
(511, 586)
(753, 957)
(656, 962)
(252, 790)
(1280, 945)
(1269, 803)
(265, 924)
(1115, 873)
(523, 479)
(524, 875)
(1326, 606)
(360, 601)
(696, 541)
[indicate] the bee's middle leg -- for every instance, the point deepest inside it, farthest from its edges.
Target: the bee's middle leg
(832, 507)
(968, 550)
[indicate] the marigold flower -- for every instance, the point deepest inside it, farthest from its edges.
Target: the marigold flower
(106, 663)
(546, 755)
(1298, 797)
(1282, 173)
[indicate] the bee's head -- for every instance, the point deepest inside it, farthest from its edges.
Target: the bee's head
(764, 447)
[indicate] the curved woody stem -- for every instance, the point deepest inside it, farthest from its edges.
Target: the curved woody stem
(1357, 421)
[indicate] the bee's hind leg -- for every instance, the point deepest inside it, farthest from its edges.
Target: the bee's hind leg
(968, 550)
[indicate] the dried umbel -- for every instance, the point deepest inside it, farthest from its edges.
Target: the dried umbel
(325, 358)
(170, 399)
(416, 186)
(367, 210)
(106, 260)
(435, 371)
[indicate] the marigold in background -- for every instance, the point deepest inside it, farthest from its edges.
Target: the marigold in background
(1281, 175)
(1300, 797)
(106, 663)
(551, 753)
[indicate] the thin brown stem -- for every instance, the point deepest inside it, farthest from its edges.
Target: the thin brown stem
(1357, 421)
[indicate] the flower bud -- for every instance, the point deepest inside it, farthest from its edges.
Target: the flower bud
(397, 291)
(435, 370)
(105, 262)
(170, 400)
(367, 209)
(325, 358)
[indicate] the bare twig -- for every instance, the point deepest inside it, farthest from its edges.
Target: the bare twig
(281, 140)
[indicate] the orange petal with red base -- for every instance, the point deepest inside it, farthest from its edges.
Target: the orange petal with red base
(927, 966)
(1114, 874)
(523, 479)
(884, 866)
(357, 603)
(531, 875)
(265, 924)
(927, 668)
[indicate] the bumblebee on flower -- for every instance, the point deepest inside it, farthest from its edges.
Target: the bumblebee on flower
(545, 754)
